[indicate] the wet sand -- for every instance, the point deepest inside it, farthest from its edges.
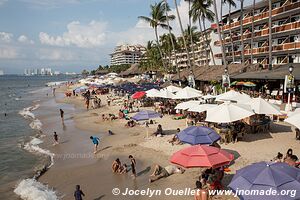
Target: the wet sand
(76, 164)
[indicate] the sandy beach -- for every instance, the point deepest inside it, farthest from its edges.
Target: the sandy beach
(75, 163)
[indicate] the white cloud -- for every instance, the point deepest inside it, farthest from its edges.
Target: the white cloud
(86, 36)
(8, 53)
(55, 54)
(24, 39)
(5, 37)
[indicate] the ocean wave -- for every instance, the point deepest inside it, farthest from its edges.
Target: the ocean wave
(27, 112)
(36, 124)
(30, 189)
(33, 147)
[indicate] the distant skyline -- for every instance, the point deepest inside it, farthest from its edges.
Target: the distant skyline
(72, 35)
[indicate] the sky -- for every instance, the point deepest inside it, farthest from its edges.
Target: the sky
(72, 35)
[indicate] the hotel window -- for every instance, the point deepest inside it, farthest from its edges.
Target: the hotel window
(280, 59)
(260, 44)
(280, 41)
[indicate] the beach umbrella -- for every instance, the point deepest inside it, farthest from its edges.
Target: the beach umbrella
(138, 95)
(187, 93)
(165, 94)
(261, 106)
(81, 89)
(198, 135)
(240, 83)
(228, 112)
(233, 96)
(249, 84)
(186, 105)
(172, 88)
(233, 83)
(201, 156)
(201, 107)
(294, 119)
(145, 115)
(265, 176)
(152, 92)
(208, 96)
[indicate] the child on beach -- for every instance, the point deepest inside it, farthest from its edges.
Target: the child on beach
(133, 165)
(55, 138)
(78, 193)
(61, 114)
(95, 141)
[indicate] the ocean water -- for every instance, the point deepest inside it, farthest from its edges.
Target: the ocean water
(20, 155)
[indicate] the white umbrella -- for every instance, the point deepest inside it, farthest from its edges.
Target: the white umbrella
(152, 92)
(294, 120)
(165, 94)
(186, 105)
(233, 96)
(173, 89)
(296, 111)
(201, 107)
(208, 96)
(261, 106)
(228, 112)
(187, 93)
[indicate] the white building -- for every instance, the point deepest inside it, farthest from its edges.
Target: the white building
(127, 54)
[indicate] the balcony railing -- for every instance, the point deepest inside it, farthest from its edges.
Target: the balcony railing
(263, 32)
(260, 50)
(261, 16)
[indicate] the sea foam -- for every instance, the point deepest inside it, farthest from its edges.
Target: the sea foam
(26, 112)
(30, 189)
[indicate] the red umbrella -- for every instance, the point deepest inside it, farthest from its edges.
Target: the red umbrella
(201, 156)
(138, 95)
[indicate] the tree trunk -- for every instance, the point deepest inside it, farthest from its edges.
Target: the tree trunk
(241, 31)
(160, 52)
(191, 35)
(270, 35)
(208, 43)
(172, 41)
(230, 32)
(182, 32)
(219, 33)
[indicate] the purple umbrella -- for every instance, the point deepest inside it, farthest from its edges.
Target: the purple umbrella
(145, 115)
(198, 135)
(266, 177)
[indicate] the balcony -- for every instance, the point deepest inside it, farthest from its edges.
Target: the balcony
(261, 16)
(261, 50)
(264, 32)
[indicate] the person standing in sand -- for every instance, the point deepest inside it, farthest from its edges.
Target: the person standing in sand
(55, 138)
(61, 114)
(78, 193)
(95, 141)
(133, 165)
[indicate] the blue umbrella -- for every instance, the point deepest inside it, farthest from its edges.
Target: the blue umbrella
(266, 177)
(198, 135)
(145, 115)
(81, 89)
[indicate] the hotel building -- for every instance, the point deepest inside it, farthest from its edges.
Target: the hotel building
(127, 54)
(285, 34)
(202, 52)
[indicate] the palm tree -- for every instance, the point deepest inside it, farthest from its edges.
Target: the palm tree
(200, 12)
(171, 37)
(191, 34)
(241, 31)
(157, 19)
(230, 4)
(182, 33)
(270, 35)
(252, 32)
